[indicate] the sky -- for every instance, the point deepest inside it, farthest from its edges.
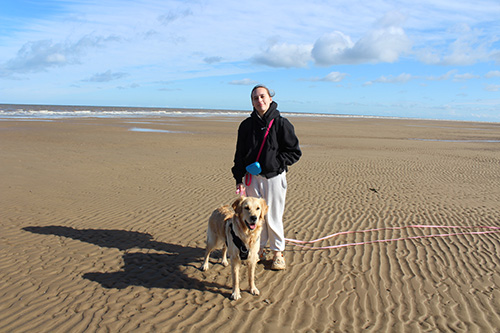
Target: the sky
(437, 59)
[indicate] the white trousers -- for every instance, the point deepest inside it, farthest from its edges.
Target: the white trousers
(273, 190)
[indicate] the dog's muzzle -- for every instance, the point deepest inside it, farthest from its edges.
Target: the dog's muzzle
(253, 223)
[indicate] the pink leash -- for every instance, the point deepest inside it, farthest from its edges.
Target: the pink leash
(298, 242)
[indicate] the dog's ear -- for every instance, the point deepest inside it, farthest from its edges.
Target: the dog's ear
(237, 204)
(265, 208)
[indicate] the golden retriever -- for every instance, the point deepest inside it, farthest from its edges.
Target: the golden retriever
(237, 231)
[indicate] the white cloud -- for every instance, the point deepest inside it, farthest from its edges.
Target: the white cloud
(43, 54)
(391, 19)
(330, 48)
(212, 60)
(401, 78)
(130, 86)
(244, 82)
(492, 87)
(386, 43)
(466, 76)
(39, 55)
(172, 16)
(381, 45)
(465, 46)
(106, 77)
(456, 77)
(492, 74)
(443, 77)
(285, 55)
(331, 77)
(334, 77)
(467, 49)
(496, 56)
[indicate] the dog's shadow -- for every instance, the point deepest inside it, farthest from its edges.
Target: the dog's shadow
(150, 270)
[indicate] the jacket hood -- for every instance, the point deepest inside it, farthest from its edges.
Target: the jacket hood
(271, 113)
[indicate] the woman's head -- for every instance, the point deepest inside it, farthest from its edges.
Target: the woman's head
(261, 98)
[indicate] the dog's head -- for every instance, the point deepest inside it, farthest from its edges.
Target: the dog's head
(251, 211)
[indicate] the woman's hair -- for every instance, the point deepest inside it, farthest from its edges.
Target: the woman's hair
(270, 92)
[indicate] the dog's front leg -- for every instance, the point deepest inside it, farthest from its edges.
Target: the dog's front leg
(236, 279)
(251, 278)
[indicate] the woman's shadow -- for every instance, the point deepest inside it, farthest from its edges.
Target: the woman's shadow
(150, 270)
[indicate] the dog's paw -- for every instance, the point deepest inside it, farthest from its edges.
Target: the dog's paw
(225, 263)
(255, 291)
(204, 267)
(236, 295)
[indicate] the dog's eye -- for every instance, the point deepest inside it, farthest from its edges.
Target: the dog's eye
(247, 208)
(258, 208)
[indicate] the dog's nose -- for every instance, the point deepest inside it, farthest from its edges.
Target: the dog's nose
(253, 218)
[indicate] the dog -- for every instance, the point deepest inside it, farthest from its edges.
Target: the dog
(237, 231)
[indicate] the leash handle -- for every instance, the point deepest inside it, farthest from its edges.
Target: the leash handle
(248, 179)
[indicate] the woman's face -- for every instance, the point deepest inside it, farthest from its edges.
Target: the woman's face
(261, 100)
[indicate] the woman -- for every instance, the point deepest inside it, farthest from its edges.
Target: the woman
(281, 149)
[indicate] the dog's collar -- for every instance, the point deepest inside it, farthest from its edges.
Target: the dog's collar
(239, 244)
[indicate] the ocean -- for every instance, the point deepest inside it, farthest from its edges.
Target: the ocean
(26, 112)
(22, 111)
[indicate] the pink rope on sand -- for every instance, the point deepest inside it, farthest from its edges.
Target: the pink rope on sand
(299, 242)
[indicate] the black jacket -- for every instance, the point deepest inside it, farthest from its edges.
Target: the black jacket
(280, 150)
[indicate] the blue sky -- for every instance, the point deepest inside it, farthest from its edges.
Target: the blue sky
(435, 59)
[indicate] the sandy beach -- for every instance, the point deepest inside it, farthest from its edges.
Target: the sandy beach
(103, 225)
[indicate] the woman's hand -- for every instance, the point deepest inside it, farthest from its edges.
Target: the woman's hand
(240, 190)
